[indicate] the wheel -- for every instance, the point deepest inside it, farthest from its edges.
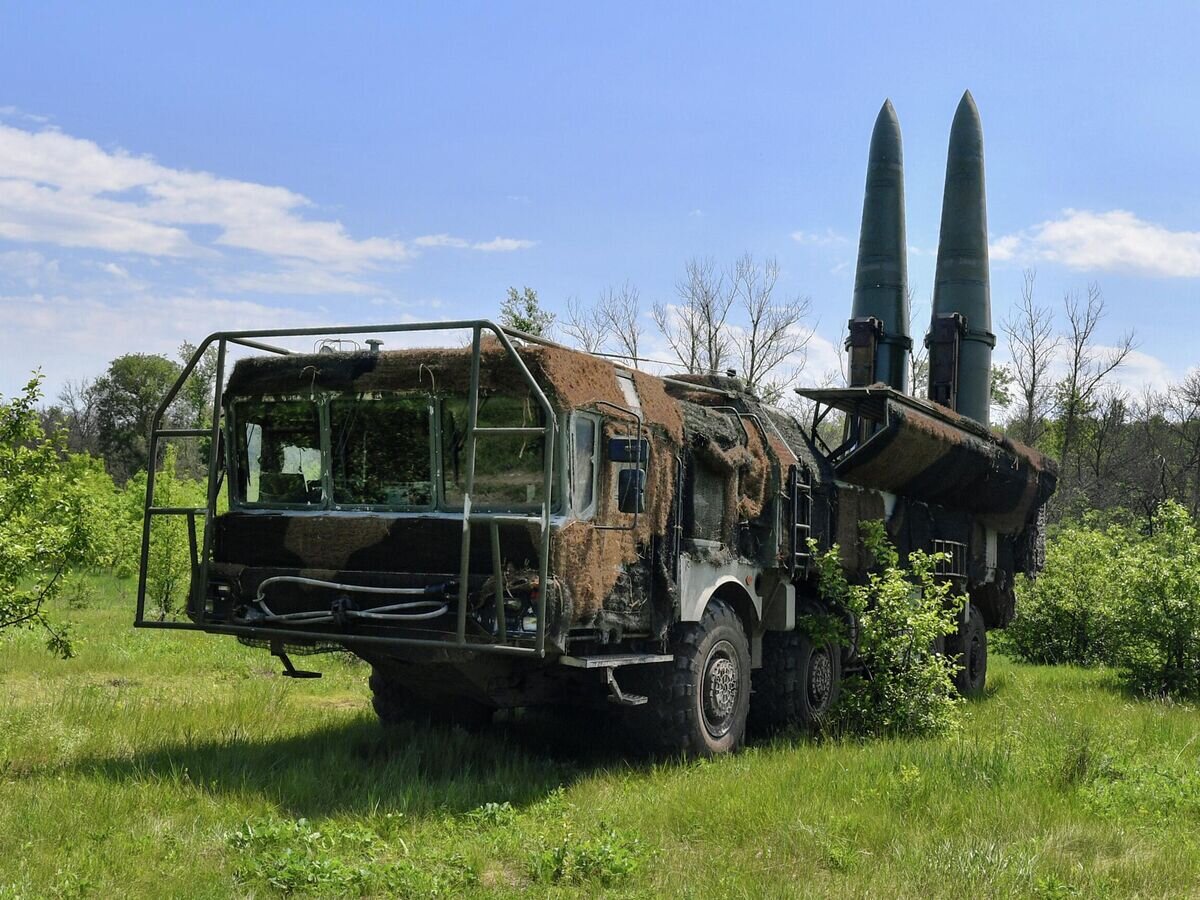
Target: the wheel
(395, 704)
(798, 684)
(968, 648)
(697, 704)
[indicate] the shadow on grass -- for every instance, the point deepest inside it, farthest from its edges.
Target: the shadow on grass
(362, 767)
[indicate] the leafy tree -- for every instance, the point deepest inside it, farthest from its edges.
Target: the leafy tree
(42, 531)
(125, 399)
(1002, 386)
(1068, 614)
(1158, 623)
(904, 686)
(522, 311)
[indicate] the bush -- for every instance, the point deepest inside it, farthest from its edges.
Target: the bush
(1110, 595)
(904, 685)
(42, 532)
(1158, 622)
(169, 567)
(1068, 614)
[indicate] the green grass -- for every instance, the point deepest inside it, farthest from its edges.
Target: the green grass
(159, 764)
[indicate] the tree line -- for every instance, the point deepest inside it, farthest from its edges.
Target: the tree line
(1059, 391)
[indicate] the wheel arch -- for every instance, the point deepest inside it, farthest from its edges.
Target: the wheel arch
(732, 592)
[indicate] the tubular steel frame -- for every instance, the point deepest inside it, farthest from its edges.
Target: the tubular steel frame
(200, 561)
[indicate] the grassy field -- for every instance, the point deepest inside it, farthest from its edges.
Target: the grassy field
(161, 765)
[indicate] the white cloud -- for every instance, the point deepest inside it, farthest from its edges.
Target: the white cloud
(826, 238)
(496, 245)
(298, 279)
(440, 240)
(71, 338)
(1113, 240)
(63, 190)
(503, 245)
(1141, 371)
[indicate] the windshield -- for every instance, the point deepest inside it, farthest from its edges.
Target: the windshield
(381, 451)
(279, 448)
(509, 468)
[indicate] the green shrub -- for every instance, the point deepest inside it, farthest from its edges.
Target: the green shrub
(42, 530)
(1157, 646)
(169, 566)
(903, 685)
(608, 859)
(1068, 614)
(108, 529)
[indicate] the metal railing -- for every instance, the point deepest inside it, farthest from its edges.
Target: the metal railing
(201, 555)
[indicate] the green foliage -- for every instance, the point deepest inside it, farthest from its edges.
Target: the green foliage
(293, 856)
(169, 565)
(1002, 386)
(607, 860)
(1110, 595)
(1068, 613)
(125, 400)
(42, 529)
(109, 528)
(904, 686)
(522, 311)
(1158, 616)
(120, 778)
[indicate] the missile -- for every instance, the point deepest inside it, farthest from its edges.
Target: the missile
(879, 342)
(960, 337)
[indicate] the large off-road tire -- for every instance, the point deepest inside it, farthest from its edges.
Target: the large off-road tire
(395, 704)
(967, 647)
(698, 703)
(798, 684)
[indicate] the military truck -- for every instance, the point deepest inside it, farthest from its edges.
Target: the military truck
(506, 522)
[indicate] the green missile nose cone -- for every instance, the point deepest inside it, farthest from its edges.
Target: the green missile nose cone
(962, 282)
(881, 278)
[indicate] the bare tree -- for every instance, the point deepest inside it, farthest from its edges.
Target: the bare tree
(619, 315)
(583, 325)
(695, 328)
(1088, 365)
(772, 333)
(1032, 345)
(78, 402)
(919, 358)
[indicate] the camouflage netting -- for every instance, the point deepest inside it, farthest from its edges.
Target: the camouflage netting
(950, 460)
(575, 380)
(590, 561)
(735, 450)
(595, 557)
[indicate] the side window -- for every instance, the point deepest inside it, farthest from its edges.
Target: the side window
(583, 465)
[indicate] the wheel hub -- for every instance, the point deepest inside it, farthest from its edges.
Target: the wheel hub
(820, 678)
(721, 688)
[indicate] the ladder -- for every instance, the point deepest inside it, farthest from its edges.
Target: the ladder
(799, 499)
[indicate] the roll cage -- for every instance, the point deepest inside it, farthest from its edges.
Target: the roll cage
(200, 540)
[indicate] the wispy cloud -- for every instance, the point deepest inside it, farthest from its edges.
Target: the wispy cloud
(1105, 241)
(297, 279)
(496, 245)
(503, 245)
(70, 192)
(826, 238)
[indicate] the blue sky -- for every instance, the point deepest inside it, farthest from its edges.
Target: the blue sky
(168, 170)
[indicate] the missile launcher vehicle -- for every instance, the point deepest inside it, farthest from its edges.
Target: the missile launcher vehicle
(506, 522)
